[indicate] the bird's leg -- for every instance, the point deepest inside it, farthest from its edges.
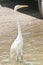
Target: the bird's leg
(17, 55)
(21, 54)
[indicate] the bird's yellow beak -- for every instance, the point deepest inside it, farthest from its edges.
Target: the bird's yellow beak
(22, 6)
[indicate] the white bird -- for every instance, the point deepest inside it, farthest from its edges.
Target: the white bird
(17, 45)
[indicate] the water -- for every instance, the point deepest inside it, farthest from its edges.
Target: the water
(33, 37)
(32, 51)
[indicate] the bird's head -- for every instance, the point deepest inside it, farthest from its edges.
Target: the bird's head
(20, 6)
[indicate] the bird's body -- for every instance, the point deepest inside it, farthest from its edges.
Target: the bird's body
(17, 45)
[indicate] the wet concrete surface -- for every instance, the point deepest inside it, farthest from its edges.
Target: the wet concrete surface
(32, 30)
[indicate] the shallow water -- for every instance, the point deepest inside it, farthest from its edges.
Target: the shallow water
(32, 50)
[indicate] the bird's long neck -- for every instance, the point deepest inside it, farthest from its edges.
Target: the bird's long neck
(18, 24)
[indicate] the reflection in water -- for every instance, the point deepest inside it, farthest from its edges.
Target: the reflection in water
(32, 51)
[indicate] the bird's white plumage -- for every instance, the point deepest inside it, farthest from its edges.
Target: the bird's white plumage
(17, 45)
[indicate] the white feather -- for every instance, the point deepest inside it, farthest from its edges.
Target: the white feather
(17, 45)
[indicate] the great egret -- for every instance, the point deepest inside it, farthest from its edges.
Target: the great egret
(17, 45)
